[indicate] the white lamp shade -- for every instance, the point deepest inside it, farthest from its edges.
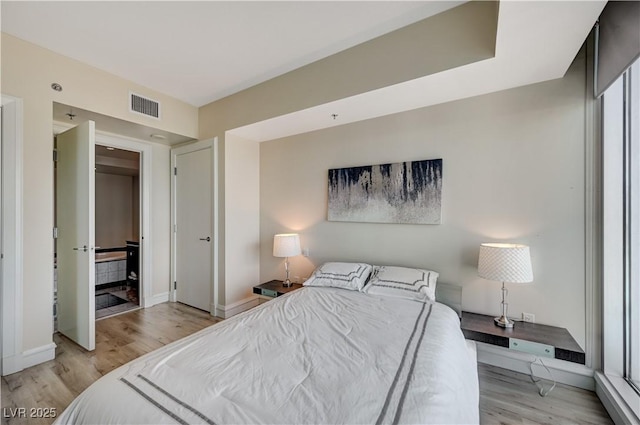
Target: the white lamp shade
(505, 263)
(286, 245)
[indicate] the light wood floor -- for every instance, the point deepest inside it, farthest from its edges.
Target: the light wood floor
(119, 339)
(508, 397)
(505, 397)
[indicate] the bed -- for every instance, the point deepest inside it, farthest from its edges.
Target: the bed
(321, 354)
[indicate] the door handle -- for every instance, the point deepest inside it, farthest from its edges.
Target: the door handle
(208, 239)
(83, 248)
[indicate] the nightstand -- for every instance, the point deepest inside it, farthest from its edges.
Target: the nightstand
(532, 338)
(269, 290)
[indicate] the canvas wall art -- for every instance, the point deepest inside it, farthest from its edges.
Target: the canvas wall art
(404, 192)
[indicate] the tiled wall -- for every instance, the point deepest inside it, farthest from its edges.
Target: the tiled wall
(111, 271)
(106, 272)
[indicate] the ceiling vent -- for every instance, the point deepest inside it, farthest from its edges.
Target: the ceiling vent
(144, 105)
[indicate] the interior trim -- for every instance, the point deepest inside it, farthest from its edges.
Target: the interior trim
(614, 400)
(156, 299)
(593, 218)
(226, 311)
(12, 236)
(38, 355)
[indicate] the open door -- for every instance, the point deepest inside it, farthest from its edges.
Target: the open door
(75, 211)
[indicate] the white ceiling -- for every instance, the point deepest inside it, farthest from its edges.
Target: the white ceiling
(204, 50)
(536, 41)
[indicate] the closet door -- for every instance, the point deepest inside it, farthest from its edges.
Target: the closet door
(75, 212)
(193, 236)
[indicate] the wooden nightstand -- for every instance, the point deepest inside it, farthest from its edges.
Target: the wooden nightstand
(533, 338)
(269, 290)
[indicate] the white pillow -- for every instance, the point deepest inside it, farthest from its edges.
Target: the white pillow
(350, 276)
(403, 282)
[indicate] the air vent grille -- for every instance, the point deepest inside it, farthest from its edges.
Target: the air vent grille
(144, 106)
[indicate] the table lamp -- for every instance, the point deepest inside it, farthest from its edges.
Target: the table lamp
(505, 263)
(286, 245)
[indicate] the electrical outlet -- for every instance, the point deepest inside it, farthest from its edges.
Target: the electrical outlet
(529, 317)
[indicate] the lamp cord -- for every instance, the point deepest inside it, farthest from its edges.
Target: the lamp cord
(541, 390)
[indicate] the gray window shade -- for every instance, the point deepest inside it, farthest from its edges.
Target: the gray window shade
(618, 41)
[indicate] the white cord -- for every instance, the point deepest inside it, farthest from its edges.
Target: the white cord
(541, 389)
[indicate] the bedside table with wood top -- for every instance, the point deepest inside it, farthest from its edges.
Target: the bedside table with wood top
(272, 289)
(532, 338)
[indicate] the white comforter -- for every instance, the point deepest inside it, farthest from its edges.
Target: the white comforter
(316, 355)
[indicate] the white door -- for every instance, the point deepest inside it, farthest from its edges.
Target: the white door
(75, 212)
(193, 227)
(1, 249)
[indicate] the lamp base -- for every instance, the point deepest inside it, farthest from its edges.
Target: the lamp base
(503, 322)
(287, 283)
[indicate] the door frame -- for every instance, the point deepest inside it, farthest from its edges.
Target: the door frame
(12, 241)
(212, 144)
(145, 150)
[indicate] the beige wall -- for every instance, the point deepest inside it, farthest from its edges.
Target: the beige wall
(459, 36)
(160, 219)
(513, 167)
(27, 73)
(28, 70)
(114, 210)
(242, 241)
(281, 185)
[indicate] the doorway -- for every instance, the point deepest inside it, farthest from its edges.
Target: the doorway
(117, 200)
(132, 279)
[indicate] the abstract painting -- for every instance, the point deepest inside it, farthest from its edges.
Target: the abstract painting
(404, 192)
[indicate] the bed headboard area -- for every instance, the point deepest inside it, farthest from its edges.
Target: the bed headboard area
(450, 295)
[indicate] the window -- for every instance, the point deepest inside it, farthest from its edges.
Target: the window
(632, 297)
(621, 230)
(631, 89)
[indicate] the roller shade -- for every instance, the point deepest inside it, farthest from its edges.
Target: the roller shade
(618, 41)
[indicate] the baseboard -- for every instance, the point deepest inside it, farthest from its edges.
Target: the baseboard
(156, 299)
(38, 355)
(229, 310)
(614, 401)
(568, 373)
(11, 364)
(216, 310)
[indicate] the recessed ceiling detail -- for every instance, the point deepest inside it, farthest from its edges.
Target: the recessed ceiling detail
(210, 49)
(533, 41)
(536, 41)
(113, 125)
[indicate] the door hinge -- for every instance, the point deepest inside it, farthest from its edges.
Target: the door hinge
(175, 285)
(55, 155)
(55, 233)
(175, 228)
(175, 171)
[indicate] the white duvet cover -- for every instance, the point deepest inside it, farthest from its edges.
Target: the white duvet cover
(314, 356)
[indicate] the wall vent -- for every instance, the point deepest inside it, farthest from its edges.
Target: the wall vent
(144, 105)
